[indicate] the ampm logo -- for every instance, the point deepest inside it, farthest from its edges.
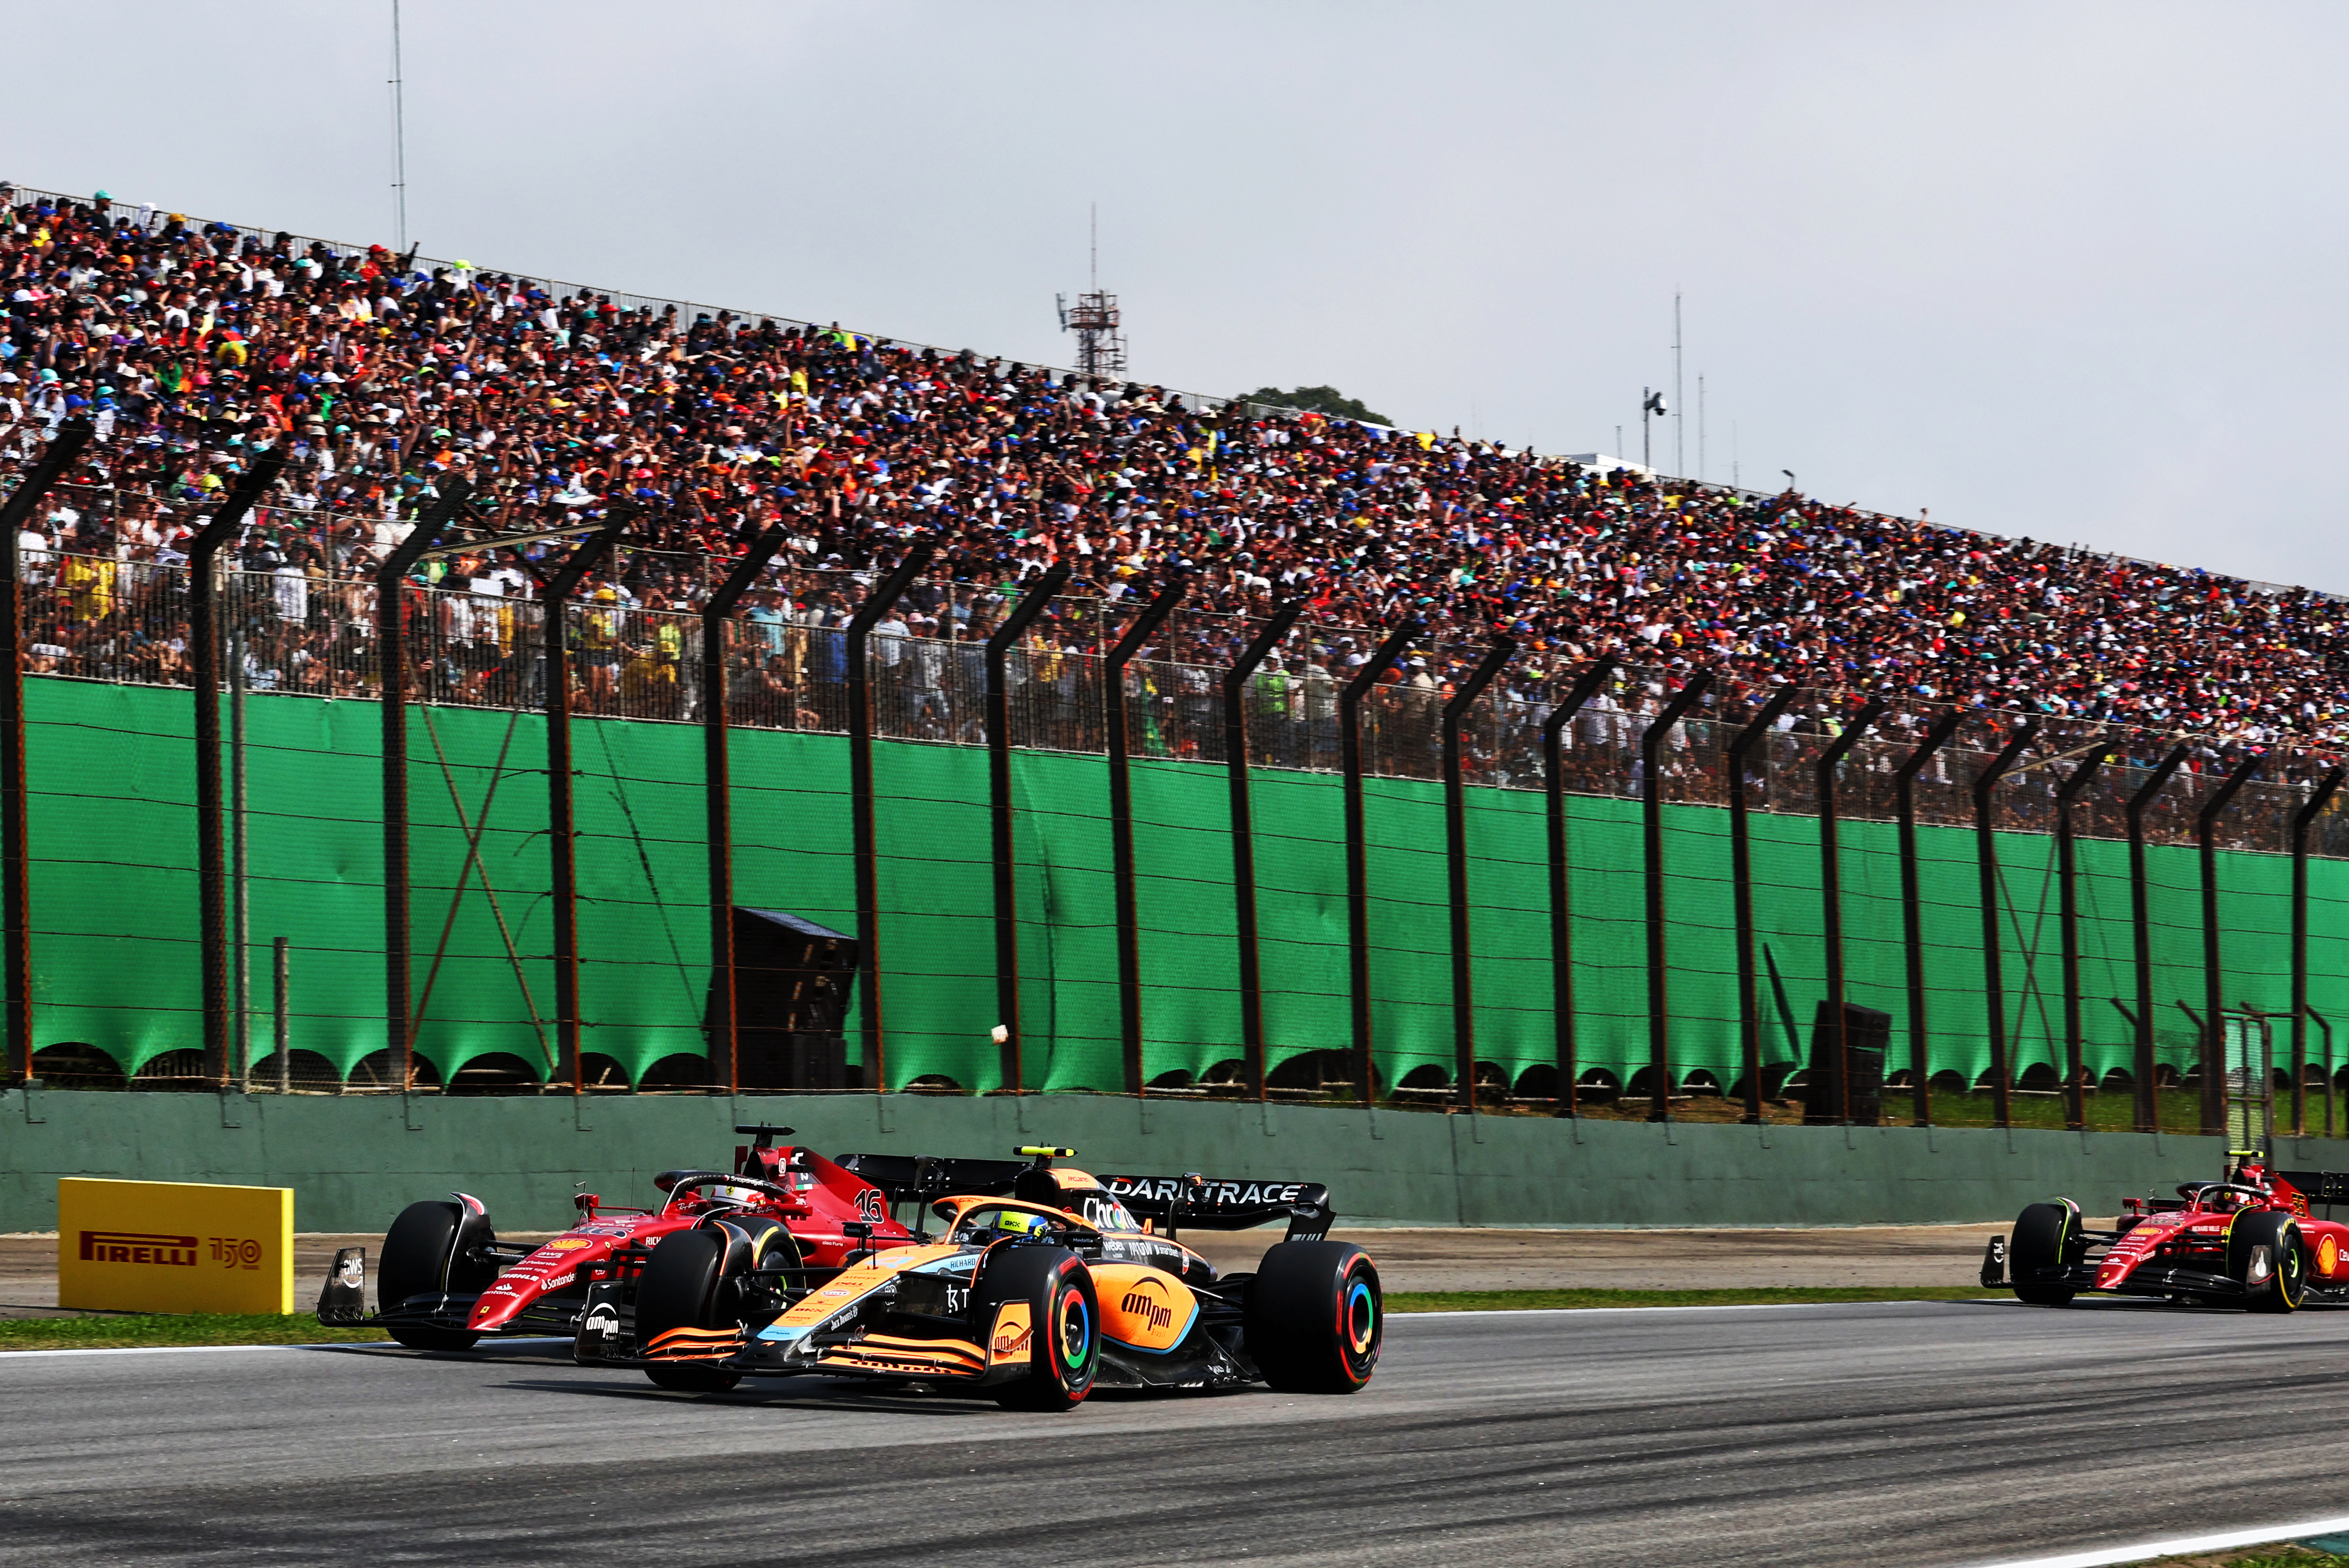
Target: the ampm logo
(138, 1247)
(1141, 1303)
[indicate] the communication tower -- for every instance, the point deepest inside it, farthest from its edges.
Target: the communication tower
(1100, 347)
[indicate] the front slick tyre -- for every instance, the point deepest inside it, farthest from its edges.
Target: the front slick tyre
(416, 1263)
(1064, 1342)
(678, 1310)
(1314, 1317)
(2289, 1264)
(2042, 1241)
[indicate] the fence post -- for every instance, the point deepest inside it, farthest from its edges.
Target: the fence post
(1741, 896)
(1358, 863)
(2076, 1097)
(1235, 683)
(554, 635)
(1121, 827)
(1561, 897)
(1993, 964)
(2147, 1097)
(998, 803)
(1651, 818)
(1912, 910)
(280, 973)
(1831, 892)
(204, 650)
(1456, 856)
(391, 656)
(2206, 822)
(718, 789)
(15, 834)
(2300, 821)
(860, 803)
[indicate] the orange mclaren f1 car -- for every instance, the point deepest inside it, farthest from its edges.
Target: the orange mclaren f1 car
(1039, 1284)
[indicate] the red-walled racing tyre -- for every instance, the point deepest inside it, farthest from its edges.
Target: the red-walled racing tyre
(1314, 1317)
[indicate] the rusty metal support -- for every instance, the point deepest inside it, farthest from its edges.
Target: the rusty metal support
(1011, 1063)
(718, 805)
(391, 665)
(1741, 896)
(1993, 965)
(555, 637)
(2143, 1064)
(203, 655)
(1561, 893)
(1831, 893)
(1912, 910)
(864, 834)
(2214, 1026)
(2313, 807)
(15, 830)
(1235, 765)
(1357, 854)
(1651, 820)
(2075, 1100)
(1121, 827)
(1455, 859)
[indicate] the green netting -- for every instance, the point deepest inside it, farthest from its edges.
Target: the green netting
(114, 910)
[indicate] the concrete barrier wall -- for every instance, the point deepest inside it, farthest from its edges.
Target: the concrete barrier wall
(354, 1161)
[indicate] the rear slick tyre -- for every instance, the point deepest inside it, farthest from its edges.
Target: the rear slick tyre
(2289, 1263)
(1314, 1317)
(2041, 1242)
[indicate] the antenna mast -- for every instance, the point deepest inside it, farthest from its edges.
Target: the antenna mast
(1101, 346)
(399, 141)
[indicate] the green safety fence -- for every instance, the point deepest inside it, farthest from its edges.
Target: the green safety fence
(114, 889)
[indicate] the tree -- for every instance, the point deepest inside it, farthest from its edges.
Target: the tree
(1315, 399)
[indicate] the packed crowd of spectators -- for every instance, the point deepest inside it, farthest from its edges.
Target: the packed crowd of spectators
(188, 345)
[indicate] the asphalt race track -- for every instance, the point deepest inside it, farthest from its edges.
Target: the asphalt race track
(1897, 1433)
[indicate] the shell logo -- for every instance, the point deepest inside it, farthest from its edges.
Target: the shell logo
(567, 1244)
(2328, 1255)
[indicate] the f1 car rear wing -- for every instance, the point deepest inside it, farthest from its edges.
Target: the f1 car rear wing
(2319, 1186)
(1216, 1203)
(919, 1178)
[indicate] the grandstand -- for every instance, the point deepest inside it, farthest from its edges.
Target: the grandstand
(383, 378)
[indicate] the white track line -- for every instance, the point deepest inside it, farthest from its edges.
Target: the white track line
(2183, 1545)
(1699, 1306)
(8, 1356)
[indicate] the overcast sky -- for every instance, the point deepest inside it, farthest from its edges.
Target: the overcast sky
(2068, 271)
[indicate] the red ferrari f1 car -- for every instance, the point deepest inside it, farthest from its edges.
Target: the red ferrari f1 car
(2247, 1240)
(444, 1280)
(1041, 1285)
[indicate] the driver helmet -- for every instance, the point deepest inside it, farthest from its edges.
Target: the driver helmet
(1027, 1224)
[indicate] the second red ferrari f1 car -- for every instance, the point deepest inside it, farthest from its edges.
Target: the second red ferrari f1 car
(2247, 1240)
(1041, 1284)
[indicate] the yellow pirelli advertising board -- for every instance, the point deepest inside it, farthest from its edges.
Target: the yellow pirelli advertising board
(172, 1246)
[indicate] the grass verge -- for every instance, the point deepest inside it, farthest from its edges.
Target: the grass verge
(1794, 1295)
(124, 1330)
